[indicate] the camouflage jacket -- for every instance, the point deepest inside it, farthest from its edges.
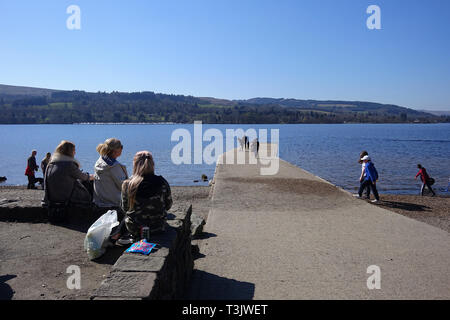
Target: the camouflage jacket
(153, 199)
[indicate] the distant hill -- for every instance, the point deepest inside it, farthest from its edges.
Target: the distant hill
(337, 106)
(24, 91)
(437, 113)
(37, 105)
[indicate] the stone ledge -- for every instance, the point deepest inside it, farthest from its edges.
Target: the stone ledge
(127, 285)
(39, 214)
(162, 275)
(17, 213)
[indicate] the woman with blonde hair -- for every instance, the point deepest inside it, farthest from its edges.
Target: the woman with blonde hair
(109, 175)
(63, 182)
(145, 197)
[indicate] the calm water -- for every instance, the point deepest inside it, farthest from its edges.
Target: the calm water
(329, 151)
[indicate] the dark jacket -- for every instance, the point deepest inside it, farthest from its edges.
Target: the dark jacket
(62, 181)
(31, 166)
(153, 198)
(44, 164)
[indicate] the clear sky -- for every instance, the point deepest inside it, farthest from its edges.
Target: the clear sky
(233, 49)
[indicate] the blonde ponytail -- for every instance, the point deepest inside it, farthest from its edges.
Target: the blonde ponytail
(106, 148)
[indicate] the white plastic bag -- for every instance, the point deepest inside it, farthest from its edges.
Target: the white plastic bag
(98, 234)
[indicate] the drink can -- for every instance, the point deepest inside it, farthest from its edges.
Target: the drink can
(145, 233)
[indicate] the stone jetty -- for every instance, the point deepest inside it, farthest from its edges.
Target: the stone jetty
(293, 235)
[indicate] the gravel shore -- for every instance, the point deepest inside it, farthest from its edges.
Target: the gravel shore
(432, 210)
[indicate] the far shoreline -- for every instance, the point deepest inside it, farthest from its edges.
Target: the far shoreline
(204, 123)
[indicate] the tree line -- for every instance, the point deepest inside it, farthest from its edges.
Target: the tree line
(67, 107)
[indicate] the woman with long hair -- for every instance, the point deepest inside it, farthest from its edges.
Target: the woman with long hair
(64, 180)
(145, 197)
(109, 175)
(45, 162)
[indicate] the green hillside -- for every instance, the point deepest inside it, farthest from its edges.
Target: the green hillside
(24, 105)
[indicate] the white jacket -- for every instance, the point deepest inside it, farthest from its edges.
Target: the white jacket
(108, 183)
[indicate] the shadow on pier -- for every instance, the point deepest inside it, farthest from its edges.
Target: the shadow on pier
(207, 286)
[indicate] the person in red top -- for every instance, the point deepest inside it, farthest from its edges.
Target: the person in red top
(29, 171)
(425, 180)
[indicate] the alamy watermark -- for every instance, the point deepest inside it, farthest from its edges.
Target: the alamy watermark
(190, 150)
(73, 22)
(374, 281)
(374, 21)
(74, 280)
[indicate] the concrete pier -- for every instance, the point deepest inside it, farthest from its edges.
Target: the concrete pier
(293, 235)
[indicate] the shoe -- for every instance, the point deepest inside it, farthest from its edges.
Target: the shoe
(357, 195)
(374, 201)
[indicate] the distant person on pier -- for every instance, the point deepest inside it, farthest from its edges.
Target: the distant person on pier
(31, 168)
(363, 172)
(370, 179)
(255, 147)
(145, 198)
(426, 180)
(109, 176)
(64, 181)
(241, 143)
(45, 162)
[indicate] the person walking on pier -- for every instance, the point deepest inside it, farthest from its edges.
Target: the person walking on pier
(246, 143)
(426, 180)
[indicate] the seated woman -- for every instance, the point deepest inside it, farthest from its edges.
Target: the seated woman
(145, 197)
(109, 176)
(63, 181)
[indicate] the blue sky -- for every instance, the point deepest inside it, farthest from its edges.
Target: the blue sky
(311, 49)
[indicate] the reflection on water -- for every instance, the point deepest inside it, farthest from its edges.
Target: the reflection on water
(329, 151)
